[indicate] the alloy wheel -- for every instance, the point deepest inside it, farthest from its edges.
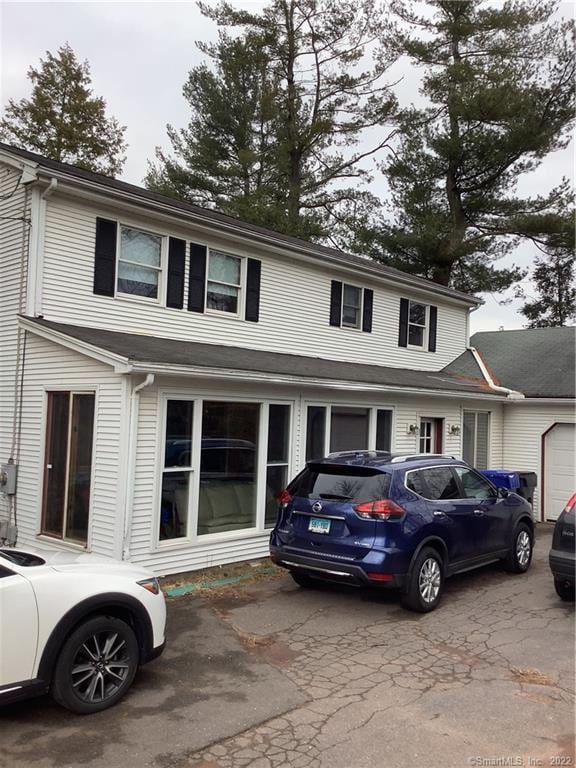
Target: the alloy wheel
(523, 547)
(100, 667)
(429, 580)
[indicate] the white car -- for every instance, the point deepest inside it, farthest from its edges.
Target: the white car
(75, 625)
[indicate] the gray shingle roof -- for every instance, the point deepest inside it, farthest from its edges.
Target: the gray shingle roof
(142, 350)
(540, 362)
(311, 249)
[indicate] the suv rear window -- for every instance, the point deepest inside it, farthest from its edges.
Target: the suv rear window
(346, 483)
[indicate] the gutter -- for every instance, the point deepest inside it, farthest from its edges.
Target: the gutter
(131, 456)
(511, 394)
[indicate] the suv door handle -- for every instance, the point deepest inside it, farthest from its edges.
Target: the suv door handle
(479, 512)
(438, 513)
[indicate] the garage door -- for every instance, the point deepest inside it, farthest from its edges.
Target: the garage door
(559, 462)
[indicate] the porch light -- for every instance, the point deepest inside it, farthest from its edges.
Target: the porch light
(454, 430)
(413, 429)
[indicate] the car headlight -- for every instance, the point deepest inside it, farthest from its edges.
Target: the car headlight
(151, 585)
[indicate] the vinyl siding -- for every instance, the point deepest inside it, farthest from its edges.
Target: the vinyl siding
(522, 433)
(175, 557)
(294, 299)
(14, 204)
(49, 366)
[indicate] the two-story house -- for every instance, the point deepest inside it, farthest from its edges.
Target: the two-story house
(166, 369)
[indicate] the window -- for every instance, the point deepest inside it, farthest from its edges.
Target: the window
(348, 428)
(351, 306)
(431, 435)
(474, 486)
(177, 474)
(68, 465)
(417, 324)
(228, 466)
(475, 438)
(346, 482)
(436, 483)
(335, 428)
(224, 281)
(277, 459)
(139, 263)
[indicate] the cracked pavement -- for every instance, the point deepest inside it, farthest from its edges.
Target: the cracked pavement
(274, 676)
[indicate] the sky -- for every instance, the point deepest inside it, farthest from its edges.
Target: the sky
(139, 55)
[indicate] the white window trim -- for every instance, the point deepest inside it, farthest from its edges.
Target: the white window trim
(426, 327)
(192, 538)
(360, 309)
(239, 314)
(162, 269)
(372, 409)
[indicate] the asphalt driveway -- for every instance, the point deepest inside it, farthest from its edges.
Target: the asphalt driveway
(271, 676)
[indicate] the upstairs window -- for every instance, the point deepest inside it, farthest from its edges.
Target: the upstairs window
(417, 324)
(139, 263)
(351, 306)
(223, 282)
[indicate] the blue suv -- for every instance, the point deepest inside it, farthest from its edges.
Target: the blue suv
(405, 522)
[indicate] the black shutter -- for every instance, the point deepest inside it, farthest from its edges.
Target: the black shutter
(197, 279)
(253, 290)
(432, 332)
(176, 264)
(105, 257)
(403, 328)
(367, 310)
(336, 303)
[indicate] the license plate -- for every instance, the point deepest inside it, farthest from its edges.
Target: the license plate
(319, 525)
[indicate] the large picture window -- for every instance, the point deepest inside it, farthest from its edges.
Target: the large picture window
(68, 465)
(139, 263)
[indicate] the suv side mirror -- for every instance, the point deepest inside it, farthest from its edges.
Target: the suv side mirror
(503, 493)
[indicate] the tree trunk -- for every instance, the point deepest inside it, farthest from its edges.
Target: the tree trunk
(294, 154)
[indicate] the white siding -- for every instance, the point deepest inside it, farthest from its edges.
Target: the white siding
(523, 427)
(175, 556)
(51, 367)
(14, 204)
(294, 306)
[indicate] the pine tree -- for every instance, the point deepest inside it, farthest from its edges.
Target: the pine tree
(498, 82)
(553, 279)
(62, 119)
(308, 111)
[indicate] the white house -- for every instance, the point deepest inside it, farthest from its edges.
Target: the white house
(166, 369)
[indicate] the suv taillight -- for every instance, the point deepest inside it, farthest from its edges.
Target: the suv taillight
(571, 503)
(284, 499)
(380, 509)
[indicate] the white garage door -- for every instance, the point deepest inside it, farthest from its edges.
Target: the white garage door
(560, 460)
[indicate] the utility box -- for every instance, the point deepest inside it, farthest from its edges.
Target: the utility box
(8, 474)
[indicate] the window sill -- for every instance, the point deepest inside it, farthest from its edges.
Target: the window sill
(210, 538)
(71, 546)
(135, 299)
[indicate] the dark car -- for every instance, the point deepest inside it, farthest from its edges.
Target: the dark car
(562, 558)
(405, 522)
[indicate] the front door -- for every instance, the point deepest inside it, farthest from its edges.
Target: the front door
(431, 435)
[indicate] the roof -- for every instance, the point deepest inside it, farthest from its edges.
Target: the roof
(164, 355)
(539, 362)
(109, 185)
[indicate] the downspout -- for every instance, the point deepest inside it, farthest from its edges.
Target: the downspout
(512, 394)
(131, 474)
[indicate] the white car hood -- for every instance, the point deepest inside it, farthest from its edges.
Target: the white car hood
(84, 562)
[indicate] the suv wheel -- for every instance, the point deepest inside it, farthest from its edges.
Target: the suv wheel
(96, 666)
(519, 556)
(564, 589)
(425, 582)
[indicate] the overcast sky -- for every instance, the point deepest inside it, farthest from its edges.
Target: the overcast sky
(140, 54)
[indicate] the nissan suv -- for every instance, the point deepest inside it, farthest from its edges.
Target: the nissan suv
(370, 518)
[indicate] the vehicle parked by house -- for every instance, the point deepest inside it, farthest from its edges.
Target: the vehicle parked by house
(406, 522)
(77, 626)
(562, 556)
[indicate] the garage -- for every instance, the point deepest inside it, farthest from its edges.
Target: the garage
(559, 463)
